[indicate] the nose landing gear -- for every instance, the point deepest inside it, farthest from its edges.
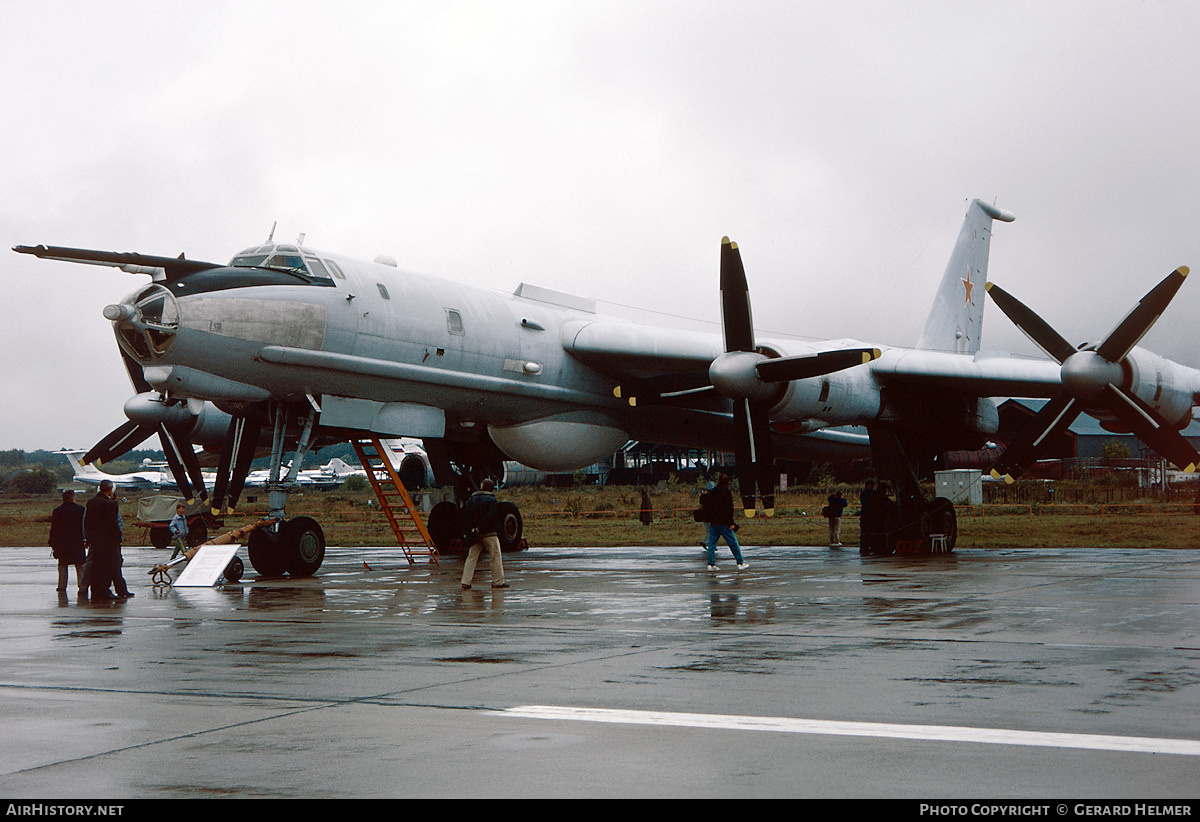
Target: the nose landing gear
(292, 546)
(296, 547)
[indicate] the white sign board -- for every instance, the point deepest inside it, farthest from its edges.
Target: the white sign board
(205, 568)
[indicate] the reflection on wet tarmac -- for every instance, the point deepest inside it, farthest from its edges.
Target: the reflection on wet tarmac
(383, 665)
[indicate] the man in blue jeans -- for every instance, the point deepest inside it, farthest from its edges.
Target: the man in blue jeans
(718, 516)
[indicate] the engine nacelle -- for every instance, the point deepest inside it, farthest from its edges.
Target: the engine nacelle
(202, 422)
(558, 443)
(1164, 385)
(847, 397)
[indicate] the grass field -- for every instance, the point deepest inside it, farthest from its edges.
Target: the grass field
(599, 516)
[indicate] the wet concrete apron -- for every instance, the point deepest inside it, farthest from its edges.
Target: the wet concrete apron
(1072, 673)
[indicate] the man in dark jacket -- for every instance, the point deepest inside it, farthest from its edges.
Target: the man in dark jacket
(833, 511)
(102, 530)
(481, 517)
(66, 540)
(718, 517)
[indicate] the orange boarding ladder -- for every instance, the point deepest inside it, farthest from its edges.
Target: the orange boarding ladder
(394, 500)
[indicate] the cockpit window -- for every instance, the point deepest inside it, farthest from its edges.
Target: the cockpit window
(288, 258)
(317, 268)
(286, 262)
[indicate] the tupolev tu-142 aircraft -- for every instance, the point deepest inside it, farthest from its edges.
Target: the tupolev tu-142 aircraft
(293, 347)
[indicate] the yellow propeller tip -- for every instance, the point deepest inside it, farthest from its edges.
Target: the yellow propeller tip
(768, 512)
(1183, 270)
(749, 513)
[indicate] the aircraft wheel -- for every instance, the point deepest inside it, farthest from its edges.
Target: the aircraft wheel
(944, 520)
(265, 553)
(412, 473)
(160, 536)
(445, 525)
(197, 533)
(511, 527)
(303, 546)
(235, 569)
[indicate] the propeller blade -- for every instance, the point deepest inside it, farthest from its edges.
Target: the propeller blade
(744, 454)
(136, 375)
(237, 452)
(224, 463)
(117, 442)
(1034, 326)
(735, 300)
(1135, 325)
(755, 456)
(242, 457)
(785, 369)
(1150, 428)
(764, 463)
(183, 462)
(1055, 416)
(175, 463)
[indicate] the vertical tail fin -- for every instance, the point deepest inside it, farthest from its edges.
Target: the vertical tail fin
(955, 321)
(83, 473)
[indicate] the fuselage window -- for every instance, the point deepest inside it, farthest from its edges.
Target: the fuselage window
(454, 321)
(383, 292)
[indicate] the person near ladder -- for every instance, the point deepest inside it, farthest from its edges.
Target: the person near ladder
(481, 516)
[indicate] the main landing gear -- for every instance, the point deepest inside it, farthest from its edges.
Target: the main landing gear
(446, 527)
(465, 469)
(922, 526)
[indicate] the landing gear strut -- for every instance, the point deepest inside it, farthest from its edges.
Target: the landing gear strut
(290, 546)
(465, 471)
(922, 525)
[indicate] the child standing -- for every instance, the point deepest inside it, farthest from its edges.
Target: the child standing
(179, 530)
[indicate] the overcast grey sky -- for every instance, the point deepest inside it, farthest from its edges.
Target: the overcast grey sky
(601, 148)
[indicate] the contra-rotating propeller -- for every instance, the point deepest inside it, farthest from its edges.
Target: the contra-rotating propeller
(1093, 377)
(750, 378)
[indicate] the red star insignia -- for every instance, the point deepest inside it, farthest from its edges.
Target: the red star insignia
(967, 286)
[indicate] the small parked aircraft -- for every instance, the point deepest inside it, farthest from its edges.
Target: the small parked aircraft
(89, 474)
(294, 347)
